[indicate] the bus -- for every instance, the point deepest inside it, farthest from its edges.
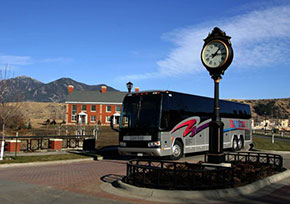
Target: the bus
(168, 123)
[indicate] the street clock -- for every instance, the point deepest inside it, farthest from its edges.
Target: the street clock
(217, 53)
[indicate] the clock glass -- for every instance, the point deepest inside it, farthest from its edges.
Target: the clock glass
(215, 54)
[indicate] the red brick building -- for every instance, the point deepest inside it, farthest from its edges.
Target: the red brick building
(93, 107)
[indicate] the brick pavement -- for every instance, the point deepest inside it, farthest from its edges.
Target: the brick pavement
(81, 177)
(85, 178)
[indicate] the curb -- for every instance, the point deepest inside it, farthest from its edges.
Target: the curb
(43, 163)
(183, 196)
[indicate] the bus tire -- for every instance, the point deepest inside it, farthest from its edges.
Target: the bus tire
(177, 150)
(241, 143)
(235, 144)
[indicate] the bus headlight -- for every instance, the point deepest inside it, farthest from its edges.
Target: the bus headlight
(122, 144)
(154, 144)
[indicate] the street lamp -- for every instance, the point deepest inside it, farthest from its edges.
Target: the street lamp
(216, 55)
(265, 124)
(129, 86)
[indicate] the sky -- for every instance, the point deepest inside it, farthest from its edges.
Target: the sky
(156, 44)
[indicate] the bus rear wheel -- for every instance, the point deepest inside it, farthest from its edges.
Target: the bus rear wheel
(241, 143)
(235, 146)
(177, 150)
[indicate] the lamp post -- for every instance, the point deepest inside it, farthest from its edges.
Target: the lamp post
(265, 124)
(216, 56)
(129, 86)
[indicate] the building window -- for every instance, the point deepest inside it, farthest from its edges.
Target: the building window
(108, 119)
(73, 118)
(74, 109)
(93, 118)
(108, 108)
(118, 108)
(84, 107)
(93, 108)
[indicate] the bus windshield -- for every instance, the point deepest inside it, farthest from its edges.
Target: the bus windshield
(141, 111)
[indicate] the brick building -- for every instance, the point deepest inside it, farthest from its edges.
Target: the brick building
(92, 107)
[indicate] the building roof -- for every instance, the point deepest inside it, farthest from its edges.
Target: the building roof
(95, 97)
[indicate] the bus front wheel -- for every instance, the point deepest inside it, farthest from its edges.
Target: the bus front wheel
(177, 150)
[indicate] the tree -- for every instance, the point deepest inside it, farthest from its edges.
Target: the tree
(10, 115)
(267, 109)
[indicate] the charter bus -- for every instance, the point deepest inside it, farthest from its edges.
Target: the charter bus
(167, 123)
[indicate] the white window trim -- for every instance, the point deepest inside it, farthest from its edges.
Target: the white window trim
(107, 109)
(92, 117)
(92, 108)
(74, 119)
(108, 119)
(85, 109)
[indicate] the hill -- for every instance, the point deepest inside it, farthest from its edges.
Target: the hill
(269, 108)
(28, 89)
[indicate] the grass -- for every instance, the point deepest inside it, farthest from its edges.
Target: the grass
(25, 159)
(266, 144)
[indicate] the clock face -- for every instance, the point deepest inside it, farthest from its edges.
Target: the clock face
(215, 54)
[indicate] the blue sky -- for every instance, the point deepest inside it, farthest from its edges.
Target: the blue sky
(156, 44)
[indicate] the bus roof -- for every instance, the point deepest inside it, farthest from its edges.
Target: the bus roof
(175, 92)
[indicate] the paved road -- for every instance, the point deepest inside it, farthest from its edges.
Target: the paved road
(80, 182)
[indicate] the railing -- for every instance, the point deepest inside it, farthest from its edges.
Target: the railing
(279, 133)
(187, 176)
(33, 143)
(262, 158)
(174, 175)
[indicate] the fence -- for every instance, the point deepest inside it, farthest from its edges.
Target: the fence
(53, 130)
(276, 132)
(175, 175)
(186, 176)
(33, 143)
(262, 158)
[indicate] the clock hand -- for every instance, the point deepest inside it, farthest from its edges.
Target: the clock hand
(213, 55)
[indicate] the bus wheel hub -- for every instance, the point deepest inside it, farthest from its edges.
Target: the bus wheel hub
(176, 150)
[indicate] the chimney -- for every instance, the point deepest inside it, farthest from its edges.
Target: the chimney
(136, 89)
(70, 89)
(104, 89)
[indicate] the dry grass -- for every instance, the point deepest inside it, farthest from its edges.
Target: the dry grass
(107, 137)
(38, 112)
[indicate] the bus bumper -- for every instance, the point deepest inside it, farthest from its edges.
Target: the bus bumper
(140, 151)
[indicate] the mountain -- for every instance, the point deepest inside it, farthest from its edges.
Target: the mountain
(268, 108)
(15, 89)
(27, 89)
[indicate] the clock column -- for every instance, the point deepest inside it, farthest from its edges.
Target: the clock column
(216, 126)
(216, 129)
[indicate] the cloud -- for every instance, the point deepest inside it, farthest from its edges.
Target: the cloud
(27, 60)
(140, 76)
(53, 60)
(15, 60)
(260, 38)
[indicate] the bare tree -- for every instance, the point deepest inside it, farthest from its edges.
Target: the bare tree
(10, 114)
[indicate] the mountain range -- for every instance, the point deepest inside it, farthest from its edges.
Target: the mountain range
(25, 88)
(28, 89)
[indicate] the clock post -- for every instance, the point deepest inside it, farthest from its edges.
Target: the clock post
(216, 56)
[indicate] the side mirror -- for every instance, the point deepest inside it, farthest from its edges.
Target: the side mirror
(112, 124)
